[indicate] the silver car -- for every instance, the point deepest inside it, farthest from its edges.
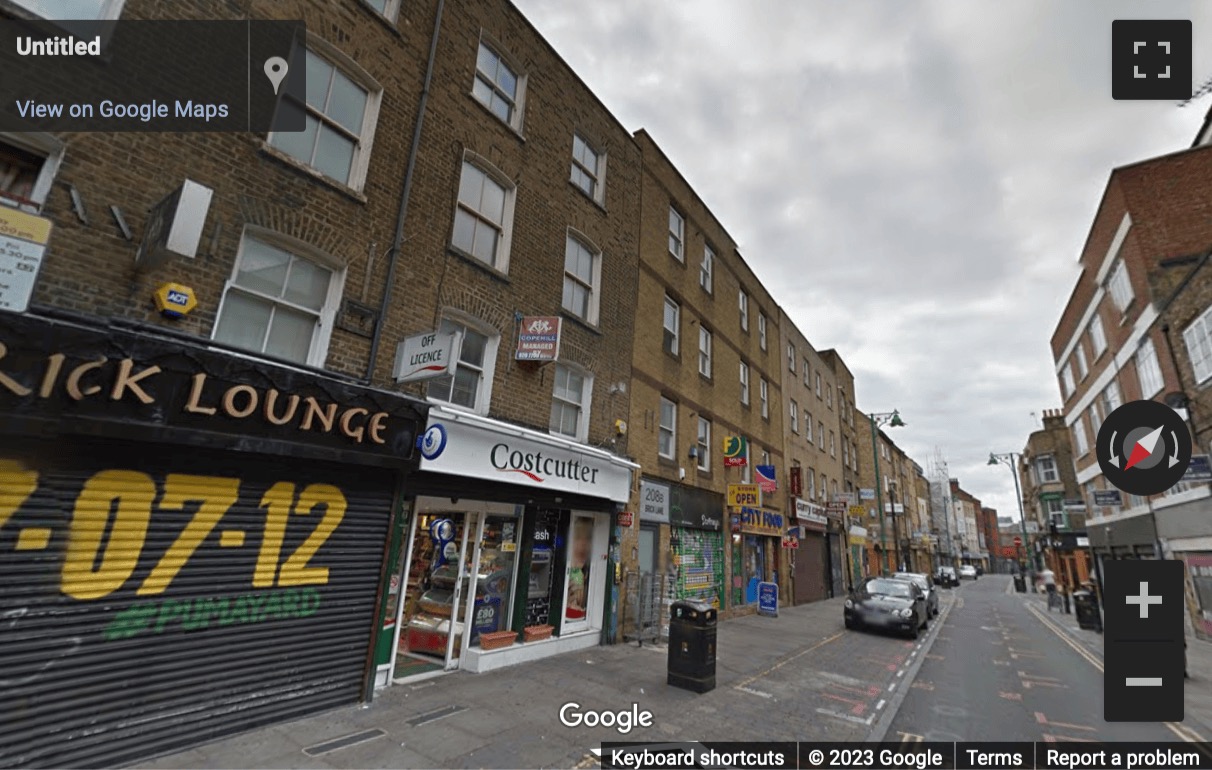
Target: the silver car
(928, 588)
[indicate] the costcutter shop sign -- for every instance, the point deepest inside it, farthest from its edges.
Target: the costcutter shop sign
(112, 381)
(463, 444)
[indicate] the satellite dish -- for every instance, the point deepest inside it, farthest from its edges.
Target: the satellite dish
(1177, 400)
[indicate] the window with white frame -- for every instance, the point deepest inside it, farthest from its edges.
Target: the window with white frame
(342, 105)
(1198, 339)
(704, 352)
(745, 383)
(483, 218)
(832, 445)
(388, 9)
(764, 394)
(707, 269)
(747, 468)
(588, 167)
(570, 401)
(845, 452)
(672, 325)
(1081, 443)
(1110, 398)
(704, 444)
(762, 330)
(471, 384)
(1119, 286)
(1148, 370)
(1083, 368)
(61, 10)
(677, 234)
(808, 426)
(1046, 470)
(820, 434)
(743, 304)
(28, 163)
(582, 274)
(823, 489)
(1055, 510)
(279, 301)
(829, 396)
(795, 416)
(667, 429)
(811, 486)
(791, 357)
(818, 385)
(498, 86)
(807, 375)
(1098, 336)
(1067, 383)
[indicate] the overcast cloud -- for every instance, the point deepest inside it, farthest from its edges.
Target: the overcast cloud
(914, 181)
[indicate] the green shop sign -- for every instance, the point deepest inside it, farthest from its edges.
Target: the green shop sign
(1046, 496)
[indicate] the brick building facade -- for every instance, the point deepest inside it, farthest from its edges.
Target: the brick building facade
(706, 369)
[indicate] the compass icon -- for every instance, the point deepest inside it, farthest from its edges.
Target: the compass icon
(1144, 448)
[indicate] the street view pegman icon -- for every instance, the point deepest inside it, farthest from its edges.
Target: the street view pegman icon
(1144, 448)
(1151, 59)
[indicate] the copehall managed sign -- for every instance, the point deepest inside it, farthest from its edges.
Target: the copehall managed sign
(121, 380)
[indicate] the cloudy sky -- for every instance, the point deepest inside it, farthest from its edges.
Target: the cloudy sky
(914, 180)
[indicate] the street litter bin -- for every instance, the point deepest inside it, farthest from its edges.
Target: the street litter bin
(692, 627)
(1020, 583)
(1085, 606)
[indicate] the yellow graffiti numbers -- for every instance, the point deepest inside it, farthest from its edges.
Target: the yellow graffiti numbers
(16, 485)
(129, 495)
(277, 504)
(215, 496)
(295, 571)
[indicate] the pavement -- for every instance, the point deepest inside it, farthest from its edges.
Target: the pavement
(800, 676)
(995, 666)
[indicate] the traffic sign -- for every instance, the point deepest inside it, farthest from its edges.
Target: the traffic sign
(1018, 540)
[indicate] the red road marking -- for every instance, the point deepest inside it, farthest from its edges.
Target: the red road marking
(856, 708)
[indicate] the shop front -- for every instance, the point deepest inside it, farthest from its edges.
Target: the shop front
(813, 577)
(696, 519)
(193, 540)
(510, 553)
(757, 543)
(1067, 554)
(1186, 533)
(857, 537)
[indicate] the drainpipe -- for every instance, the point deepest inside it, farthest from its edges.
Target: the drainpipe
(410, 169)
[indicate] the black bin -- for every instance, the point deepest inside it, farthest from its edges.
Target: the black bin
(1020, 583)
(1085, 606)
(692, 627)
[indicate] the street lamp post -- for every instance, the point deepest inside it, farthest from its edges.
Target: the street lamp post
(879, 419)
(1010, 459)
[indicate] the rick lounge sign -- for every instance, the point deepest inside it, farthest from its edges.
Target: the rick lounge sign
(112, 381)
(463, 444)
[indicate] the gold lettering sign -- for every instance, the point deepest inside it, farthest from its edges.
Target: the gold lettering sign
(127, 380)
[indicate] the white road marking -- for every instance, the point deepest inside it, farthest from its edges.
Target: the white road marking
(892, 687)
(755, 692)
(900, 673)
(880, 705)
(846, 717)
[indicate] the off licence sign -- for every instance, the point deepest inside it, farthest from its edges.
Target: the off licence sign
(744, 495)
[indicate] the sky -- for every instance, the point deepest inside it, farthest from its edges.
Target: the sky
(913, 181)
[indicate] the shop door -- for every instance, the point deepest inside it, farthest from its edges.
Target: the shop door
(433, 626)
(156, 597)
(584, 575)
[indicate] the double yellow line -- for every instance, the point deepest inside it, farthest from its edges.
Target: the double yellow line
(1182, 731)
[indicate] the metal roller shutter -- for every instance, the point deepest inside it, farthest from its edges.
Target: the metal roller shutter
(156, 597)
(810, 568)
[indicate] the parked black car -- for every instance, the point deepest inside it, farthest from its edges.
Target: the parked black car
(897, 605)
(946, 577)
(923, 582)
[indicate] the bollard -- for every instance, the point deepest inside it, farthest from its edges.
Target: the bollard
(1066, 596)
